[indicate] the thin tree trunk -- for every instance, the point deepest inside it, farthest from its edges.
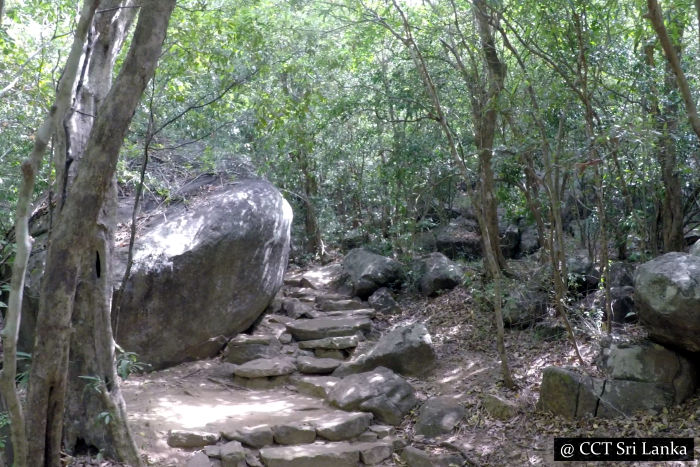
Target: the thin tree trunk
(656, 17)
(24, 242)
(70, 251)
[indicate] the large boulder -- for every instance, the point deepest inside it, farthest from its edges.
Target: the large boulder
(436, 273)
(649, 362)
(203, 270)
(367, 272)
(525, 304)
(667, 295)
(407, 350)
(382, 392)
(459, 239)
(439, 415)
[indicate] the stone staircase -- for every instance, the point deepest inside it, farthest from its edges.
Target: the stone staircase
(307, 334)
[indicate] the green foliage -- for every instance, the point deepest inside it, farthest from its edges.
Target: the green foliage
(128, 363)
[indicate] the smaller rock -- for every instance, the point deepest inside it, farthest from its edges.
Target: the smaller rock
(330, 353)
(368, 435)
(382, 392)
(332, 304)
(407, 350)
(343, 426)
(374, 453)
(244, 348)
(337, 343)
(383, 301)
(295, 308)
(318, 328)
(252, 459)
(213, 451)
(383, 431)
(261, 368)
(199, 459)
(311, 455)
(256, 436)
(438, 273)
(319, 366)
(233, 455)
(191, 439)
(414, 457)
(498, 407)
(695, 249)
(294, 433)
(439, 415)
(317, 386)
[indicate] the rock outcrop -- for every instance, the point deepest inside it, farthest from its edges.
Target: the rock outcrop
(203, 270)
(667, 295)
(367, 272)
(436, 273)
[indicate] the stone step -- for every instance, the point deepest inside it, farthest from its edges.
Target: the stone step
(318, 328)
(264, 373)
(342, 454)
(336, 343)
(334, 304)
(318, 366)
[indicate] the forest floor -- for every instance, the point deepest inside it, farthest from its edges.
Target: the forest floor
(200, 395)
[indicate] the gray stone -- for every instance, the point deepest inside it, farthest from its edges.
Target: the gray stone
(524, 305)
(312, 455)
(459, 239)
(439, 415)
(343, 426)
(295, 308)
(199, 459)
(359, 313)
(529, 240)
(382, 392)
(331, 353)
(583, 275)
(261, 383)
(190, 439)
(255, 436)
(414, 457)
(695, 249)
(213, 451)
(499, 408)
(294, 433)
(261, 368)
(667, 295)
(436, 273)
(233, 455)
(339, 343)
(309, 329)
(244, 348)
(383, 431)
(621, 274)
(252, 459)
(367, 436)
(572, 395)
(318, 386)
(223, 259)
(320, 366)
(369, 271)
(383, 301)
(407, 350)
(649, 362)
(333, 304)
(375, 452)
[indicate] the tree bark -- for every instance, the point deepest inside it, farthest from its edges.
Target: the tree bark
(73, 255)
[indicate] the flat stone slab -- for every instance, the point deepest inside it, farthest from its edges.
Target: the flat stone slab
(332, 304)
(340, 454)
(191, 439)
(333, 343)
(359, 313)
(317, 386)
(318, 328)
(264, 367)
(343, 425)
(294, 433)
(254, 436)
(317, 366)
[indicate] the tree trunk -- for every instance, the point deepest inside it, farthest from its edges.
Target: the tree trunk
(74, 255)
